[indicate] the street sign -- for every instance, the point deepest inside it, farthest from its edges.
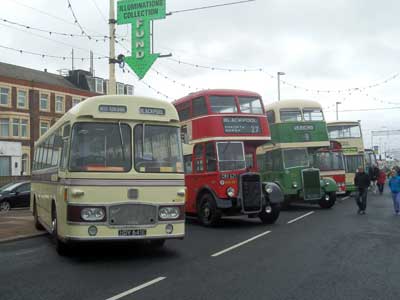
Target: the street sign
(139, 13)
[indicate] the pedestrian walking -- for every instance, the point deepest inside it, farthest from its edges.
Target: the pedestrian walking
(381, 181)
(362, 182)
(394, 184)
(373, 173)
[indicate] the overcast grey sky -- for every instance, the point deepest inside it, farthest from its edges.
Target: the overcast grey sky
(320, 45)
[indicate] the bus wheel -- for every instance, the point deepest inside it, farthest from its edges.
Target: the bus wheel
(324, 203)
(207, 211)
(5, 206)
(61, 247)
(270, 214)
(38, 226)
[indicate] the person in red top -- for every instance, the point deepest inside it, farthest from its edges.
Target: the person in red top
(381, 181)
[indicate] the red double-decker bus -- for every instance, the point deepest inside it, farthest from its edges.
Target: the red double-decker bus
(330, 161)
(221, 130)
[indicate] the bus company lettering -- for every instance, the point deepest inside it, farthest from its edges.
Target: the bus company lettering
(152, 111)
(303, 127)
(241, 125)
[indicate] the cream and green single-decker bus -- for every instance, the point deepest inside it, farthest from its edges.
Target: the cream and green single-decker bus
(111, 169)
(298, 129)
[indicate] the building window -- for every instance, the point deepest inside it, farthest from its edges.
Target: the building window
(99, 85)
(4, 96)
(15, 127)
(24, 128)
(44, 102)
(59, 107)
(4, 127)
(75, 101)
(120, 88)
(22, 100)
(44, 126)
(24, 164)
(129, 89)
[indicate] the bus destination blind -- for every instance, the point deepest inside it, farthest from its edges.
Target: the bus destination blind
(241, 125)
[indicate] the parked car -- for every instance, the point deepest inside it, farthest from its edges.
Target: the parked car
(15, 194)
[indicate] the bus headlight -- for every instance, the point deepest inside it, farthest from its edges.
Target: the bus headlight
(268, 189)
(93, 214)
(169, 213)
(230, 191)
(326, 183)
(294, 185)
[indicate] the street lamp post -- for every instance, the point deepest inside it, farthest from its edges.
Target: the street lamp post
(337, 110)
(279, 74)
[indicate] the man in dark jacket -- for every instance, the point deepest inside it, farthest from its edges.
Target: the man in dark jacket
(362, 182)
(373, 176)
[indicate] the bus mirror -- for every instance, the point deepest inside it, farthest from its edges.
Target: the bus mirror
(58, 141)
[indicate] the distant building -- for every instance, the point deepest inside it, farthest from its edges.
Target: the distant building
(31, 101)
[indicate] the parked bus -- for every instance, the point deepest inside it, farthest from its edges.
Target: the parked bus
(221, 130)
(330, 162)
(298, 129)
(370, 159)
(348, 134)
(111, 169)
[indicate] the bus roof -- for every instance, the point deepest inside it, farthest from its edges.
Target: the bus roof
(132, 108)
(217, 92)
(292, 103)
(334, 123)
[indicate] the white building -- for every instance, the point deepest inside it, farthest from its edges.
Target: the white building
(10, 158)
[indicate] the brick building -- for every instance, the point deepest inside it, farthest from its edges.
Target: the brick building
(31, 101)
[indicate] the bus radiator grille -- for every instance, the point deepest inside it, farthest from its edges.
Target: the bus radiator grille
(251, 192)
(133, 214)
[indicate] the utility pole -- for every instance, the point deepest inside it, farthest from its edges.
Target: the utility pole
(73, 59)
(279, 84)
(111, 90)
(337, 110)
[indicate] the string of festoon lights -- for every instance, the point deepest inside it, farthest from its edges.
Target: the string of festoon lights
(176, 82)
(77, 22)
(296, 86)
(45, 55)
(96, 38)
(125, 70)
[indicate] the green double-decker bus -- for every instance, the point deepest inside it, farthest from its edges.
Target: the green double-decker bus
(298, 130)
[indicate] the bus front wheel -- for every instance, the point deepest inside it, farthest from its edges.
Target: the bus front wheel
(61, 247)
(207, 211)
(270, 214)
(328, 203)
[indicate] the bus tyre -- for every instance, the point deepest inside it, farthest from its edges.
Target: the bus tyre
(61, 247)
(38, 226)
(272, 216)
(207, 211)
(323, 203)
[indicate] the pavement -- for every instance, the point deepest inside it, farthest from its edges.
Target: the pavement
(17, 224)
(310, 253)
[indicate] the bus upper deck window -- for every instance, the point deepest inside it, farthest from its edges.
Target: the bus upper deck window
(223, 104)
(313, 114)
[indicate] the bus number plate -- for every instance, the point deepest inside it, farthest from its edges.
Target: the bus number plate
(132, 232)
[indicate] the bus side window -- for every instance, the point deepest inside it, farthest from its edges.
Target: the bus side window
(211, 157)
(188, 164)
(249, 160)
(198, 158)
(64, 149)
(271, 116)
(277, 160)
(199, 107)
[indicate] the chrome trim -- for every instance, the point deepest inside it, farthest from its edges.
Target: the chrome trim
(123, 182)
(123, 238)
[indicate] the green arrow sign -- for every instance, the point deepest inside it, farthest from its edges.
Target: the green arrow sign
(139, 13)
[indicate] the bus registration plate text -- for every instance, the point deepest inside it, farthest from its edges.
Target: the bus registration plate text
(132, 232)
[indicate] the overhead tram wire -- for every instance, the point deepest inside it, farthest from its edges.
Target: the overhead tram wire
(210, 6)
(44, 55)
(100, 12)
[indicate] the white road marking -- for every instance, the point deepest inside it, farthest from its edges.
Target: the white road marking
(240, 244)
(345, 198)
(301, 217)
(135, 289)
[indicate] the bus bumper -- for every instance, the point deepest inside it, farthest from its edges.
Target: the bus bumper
(79, 232)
